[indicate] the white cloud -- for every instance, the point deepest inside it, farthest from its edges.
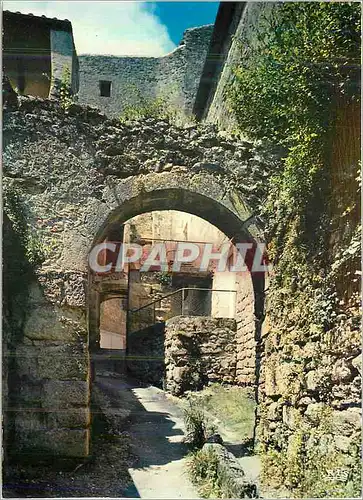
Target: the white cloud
(116, 28)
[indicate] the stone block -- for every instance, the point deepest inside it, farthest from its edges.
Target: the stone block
(246, 323)
(312, 380)
(273, 411)
(75, 284)
(64, 362)
(65, 394)
(246, 379)
(342, 443)
(210, 340)
(290, 416)
(266, 327)
(53, 323)
(357, 363)
(347, 422)
(317, 379)
(248, 362)
(36, 295)
(229, 466)
(68, 418)
(342, 371)
(26, 359)
(30, 392)
(278, 376)
(246, 343)
(27, 421)
(70, 443)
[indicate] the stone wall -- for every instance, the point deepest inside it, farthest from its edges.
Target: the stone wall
(63, 58)
(71, 176)
(45, 360)
(246, 20)
(199, 350)
(246, 338)
(174, 77)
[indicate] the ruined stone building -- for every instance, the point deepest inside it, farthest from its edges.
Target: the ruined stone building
(37, 54)
(113, 84)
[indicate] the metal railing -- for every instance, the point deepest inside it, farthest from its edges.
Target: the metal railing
(183, 302)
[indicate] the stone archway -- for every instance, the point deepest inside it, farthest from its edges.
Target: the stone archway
(87, 173)
(205, 197)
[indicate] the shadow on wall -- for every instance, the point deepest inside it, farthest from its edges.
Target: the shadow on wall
(17, 276)
(145, 355)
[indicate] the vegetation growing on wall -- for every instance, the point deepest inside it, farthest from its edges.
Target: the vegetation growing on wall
(16, 211)
(141, 107)
(297, 85)
(289, 89)
(65, 91)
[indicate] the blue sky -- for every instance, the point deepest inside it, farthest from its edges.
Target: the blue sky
(178, 16)
(123, 27)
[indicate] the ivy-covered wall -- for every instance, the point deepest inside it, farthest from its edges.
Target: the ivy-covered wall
(295, 84)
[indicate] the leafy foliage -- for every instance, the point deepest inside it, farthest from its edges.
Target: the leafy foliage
(296, 85)
(163, 277)
(140, 107)
(203, 470)
(14, 208)
(294, 64)
(305, 465)
(298, 62)
(65, 91)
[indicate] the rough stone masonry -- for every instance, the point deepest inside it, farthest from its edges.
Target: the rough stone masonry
(135, 81)
(199, 350)
(70, 175)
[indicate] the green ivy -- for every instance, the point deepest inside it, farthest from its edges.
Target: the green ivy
(15, 209)
(295, 65)
(65, 92)
(298, 68)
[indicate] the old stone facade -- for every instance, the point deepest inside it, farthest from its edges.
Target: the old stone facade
(132, 81)
(185, 353)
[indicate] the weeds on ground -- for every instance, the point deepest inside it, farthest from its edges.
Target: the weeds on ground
(198, 427)
(234, 407)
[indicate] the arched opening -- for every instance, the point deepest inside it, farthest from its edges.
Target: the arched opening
(113, 323)
(249, 287)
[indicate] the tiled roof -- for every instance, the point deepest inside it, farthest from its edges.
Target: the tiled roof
(31, 19)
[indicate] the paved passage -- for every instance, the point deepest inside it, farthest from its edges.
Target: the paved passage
(157, 431)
